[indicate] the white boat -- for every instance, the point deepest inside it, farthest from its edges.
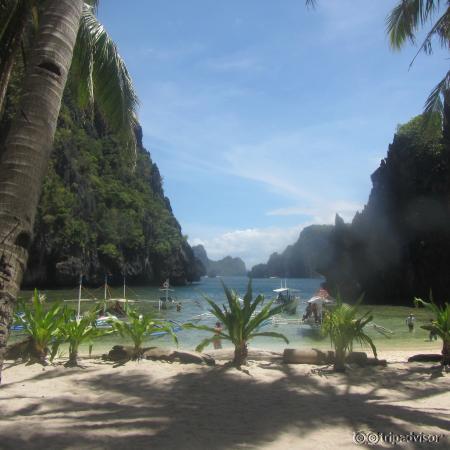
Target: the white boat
(287, 297)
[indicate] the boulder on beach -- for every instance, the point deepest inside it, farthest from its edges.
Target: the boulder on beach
(312, 356)
(184, 357)
(120, 353)
(424, 357)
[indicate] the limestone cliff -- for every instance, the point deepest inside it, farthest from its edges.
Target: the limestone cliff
(98, 214)
(398, 247)
(303, 259)
(227, 266)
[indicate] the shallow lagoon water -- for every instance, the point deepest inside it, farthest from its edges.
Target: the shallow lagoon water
(193, 304)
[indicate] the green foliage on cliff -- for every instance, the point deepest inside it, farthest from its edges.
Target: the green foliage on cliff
(101, 214)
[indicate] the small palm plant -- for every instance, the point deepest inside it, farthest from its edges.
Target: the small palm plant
(440, 326)
(344, 328)
(140, 326)
(41, 325)
(241, 322)
(76, 330)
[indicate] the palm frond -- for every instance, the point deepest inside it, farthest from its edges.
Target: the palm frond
(271, 334)
(403, 21)
(100, 75)
(434, 101)
(441, 30)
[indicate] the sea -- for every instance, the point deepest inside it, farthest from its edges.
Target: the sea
(195, 310)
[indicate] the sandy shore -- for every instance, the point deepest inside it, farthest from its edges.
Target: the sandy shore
(156, 405)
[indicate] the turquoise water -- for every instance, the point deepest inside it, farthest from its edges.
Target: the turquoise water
(193, 304)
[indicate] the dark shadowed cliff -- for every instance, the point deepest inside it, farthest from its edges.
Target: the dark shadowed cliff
(227, 266)
(398, 247)
(300, 260)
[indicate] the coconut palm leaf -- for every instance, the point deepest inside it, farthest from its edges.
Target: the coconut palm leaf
(434, 101)
(239, 320)
(344, 328)
(140, 327)
(270, 334)
(405, 19)
(99, 75)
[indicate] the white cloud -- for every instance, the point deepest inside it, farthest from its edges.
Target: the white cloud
(323, 213)
(253, 245)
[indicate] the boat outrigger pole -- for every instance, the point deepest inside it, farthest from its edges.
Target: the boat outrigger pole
(106, 291)
(79, 297)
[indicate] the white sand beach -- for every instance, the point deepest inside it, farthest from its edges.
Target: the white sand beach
(157, 405)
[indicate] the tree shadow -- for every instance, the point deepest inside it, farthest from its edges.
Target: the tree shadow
(217, 409)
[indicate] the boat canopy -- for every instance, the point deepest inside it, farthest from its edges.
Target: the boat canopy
(281, 290)
(320, 300)
(285, 290)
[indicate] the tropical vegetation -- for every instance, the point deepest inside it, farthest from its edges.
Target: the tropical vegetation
(27, 148)
(403, 24)
(440, 325)
(241, 321)
(41, 325)
(343, 326)
(140, 327)
(97, 72)
(75, 330)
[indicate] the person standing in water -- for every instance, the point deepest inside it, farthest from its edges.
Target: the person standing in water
(410, 322)
(433, 334)
(217, 340)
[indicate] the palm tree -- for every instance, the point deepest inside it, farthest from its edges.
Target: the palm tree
(139, 327)
(97, 71)
(241, 321)
(404, 22)
(344, 328)
(41, 325)
(75, 330)
(28, 146)
(440, 325)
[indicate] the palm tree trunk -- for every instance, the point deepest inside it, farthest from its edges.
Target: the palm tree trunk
(339, 361)
(28, 146)
(240, 355)
(13, 46)
(446, 353)
(73, 358)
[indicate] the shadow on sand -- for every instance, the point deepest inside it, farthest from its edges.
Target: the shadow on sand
(218, 409)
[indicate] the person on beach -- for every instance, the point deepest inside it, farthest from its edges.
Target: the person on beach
(217, 340)
(315, 313)
(410, 322)
(433, 334)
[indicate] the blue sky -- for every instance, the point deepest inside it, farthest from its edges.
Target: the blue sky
(263, 116)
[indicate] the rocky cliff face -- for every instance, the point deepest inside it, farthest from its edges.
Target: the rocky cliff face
(227, 266)
(304, 259)
(98, 215)
(398, 247)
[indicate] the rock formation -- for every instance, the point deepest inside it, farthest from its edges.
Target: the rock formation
(99, 214)
(398, 247)
(227, 266)
(304, 259)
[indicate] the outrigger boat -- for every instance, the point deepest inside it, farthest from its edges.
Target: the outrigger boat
(288, 298)
(316, 306)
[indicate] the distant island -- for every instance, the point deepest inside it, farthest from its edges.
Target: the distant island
(227, 266)
(300, 260)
